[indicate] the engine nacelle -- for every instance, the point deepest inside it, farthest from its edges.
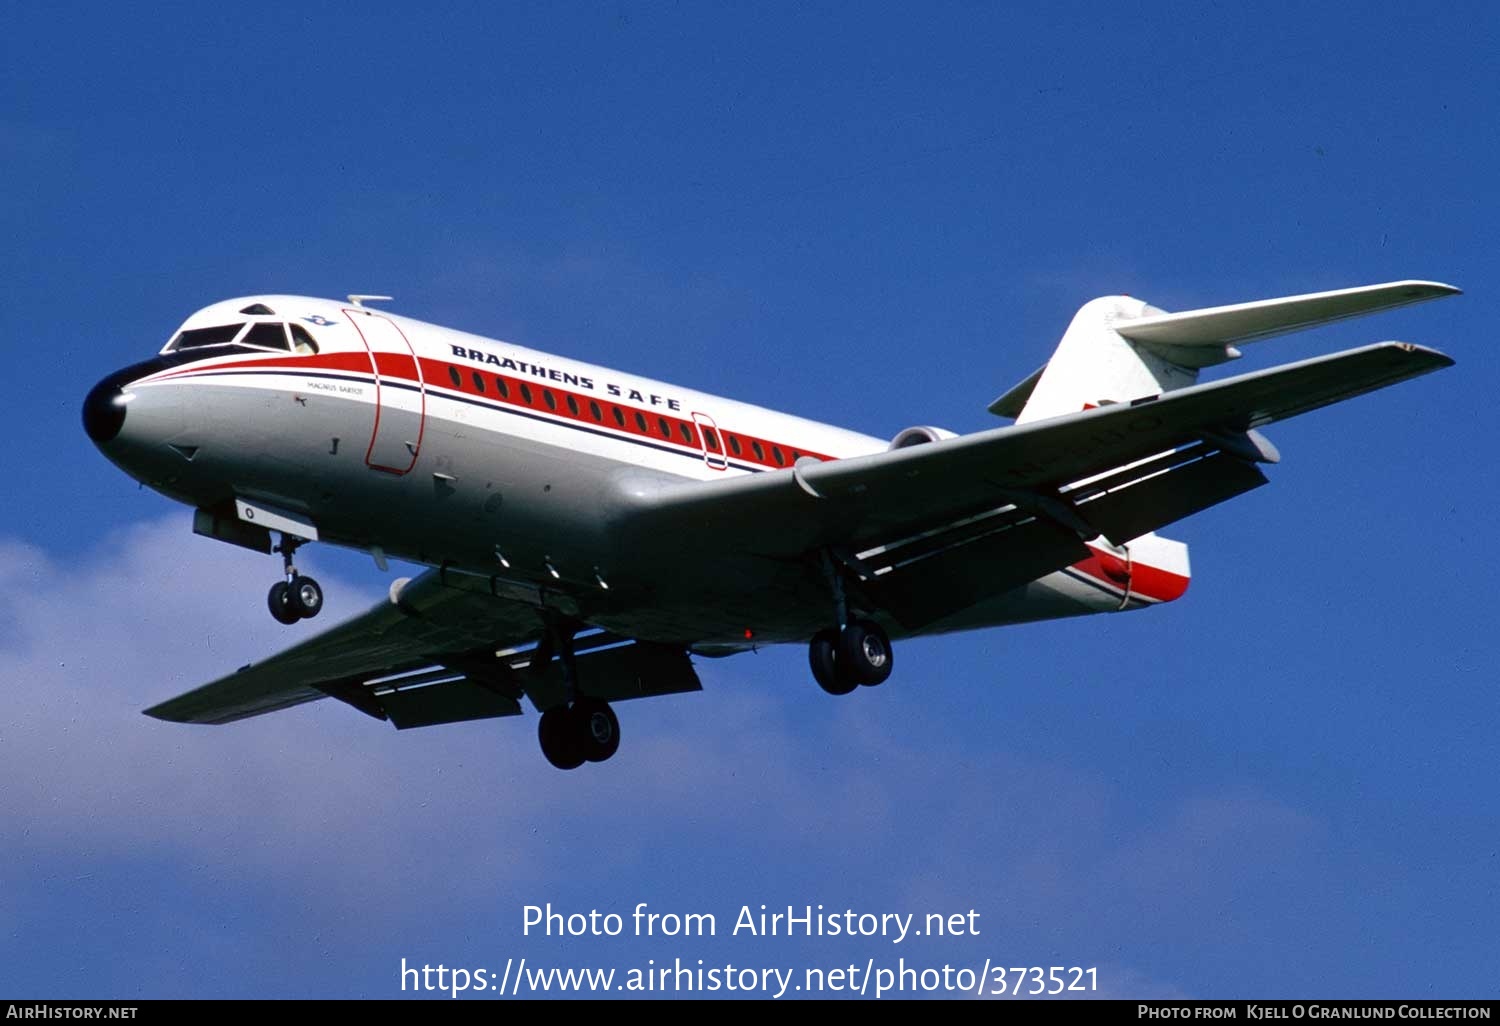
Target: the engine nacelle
(920, 436)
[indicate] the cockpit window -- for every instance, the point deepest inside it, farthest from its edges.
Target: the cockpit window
(302, 341)
(199, 337)
(259, 310)
(270, 336)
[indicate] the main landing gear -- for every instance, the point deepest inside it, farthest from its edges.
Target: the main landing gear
(581, 729)
(844, 659)
(858, 652)
(297, 597)
(585, 731)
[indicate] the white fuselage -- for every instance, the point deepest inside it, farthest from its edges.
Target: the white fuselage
(441, 447)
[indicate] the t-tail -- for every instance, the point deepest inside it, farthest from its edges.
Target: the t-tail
(1121, 350)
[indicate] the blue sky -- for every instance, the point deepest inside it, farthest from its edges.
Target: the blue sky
(878, 216)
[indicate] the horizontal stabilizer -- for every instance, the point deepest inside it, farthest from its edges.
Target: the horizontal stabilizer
(1202, 338)
(1014, 401)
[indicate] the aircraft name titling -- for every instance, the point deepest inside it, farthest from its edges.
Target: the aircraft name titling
(564, 378)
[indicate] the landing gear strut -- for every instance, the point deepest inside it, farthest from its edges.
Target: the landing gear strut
(854, 653)
(296, 597)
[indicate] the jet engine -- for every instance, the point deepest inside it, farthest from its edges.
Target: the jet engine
(920, 436)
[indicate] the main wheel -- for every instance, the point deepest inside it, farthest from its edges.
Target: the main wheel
(304, 597)
(822, 656)
(560, 737)
(598, 729)
(864, 653)
(280, 604)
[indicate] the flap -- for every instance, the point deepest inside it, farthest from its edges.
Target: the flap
(452, 702)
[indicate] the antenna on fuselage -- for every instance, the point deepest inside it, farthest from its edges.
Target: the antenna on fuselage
(359, 301)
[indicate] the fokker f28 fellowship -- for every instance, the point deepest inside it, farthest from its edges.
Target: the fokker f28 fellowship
(588, 532)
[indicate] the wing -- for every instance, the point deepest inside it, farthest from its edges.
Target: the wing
(443, 648)
(1025, 494)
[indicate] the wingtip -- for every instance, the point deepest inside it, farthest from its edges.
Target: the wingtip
(1432, 289)
(1436, 357)
(161, 712)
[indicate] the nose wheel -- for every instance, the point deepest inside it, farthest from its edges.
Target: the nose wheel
(301, 598)
(297, 597)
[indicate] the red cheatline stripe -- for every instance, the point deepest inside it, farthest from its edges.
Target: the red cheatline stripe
(1146, 581)
(616, 417)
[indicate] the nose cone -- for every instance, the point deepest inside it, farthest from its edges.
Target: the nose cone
(104, 406)
(104, 410)
(140, 424)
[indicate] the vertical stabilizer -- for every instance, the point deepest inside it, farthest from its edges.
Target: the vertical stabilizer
(1095, 365)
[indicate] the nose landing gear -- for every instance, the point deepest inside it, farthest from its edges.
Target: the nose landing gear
(297, 597)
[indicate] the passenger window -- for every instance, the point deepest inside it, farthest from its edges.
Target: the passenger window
(685, 431)
(619, 415)
(267, 336)
(734, 444)
(502, 387)
(760, 453)
(712, 438)
(302, 342)
(776, 455)
(547, 398)
(525, 393)
(478, 380)
(595, 412)
(640, 421)
(664, 427)
(572, 406)
(453, 376)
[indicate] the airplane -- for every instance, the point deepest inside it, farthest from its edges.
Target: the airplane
(589, 532)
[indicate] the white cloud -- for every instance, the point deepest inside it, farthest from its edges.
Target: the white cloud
(155, 611)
